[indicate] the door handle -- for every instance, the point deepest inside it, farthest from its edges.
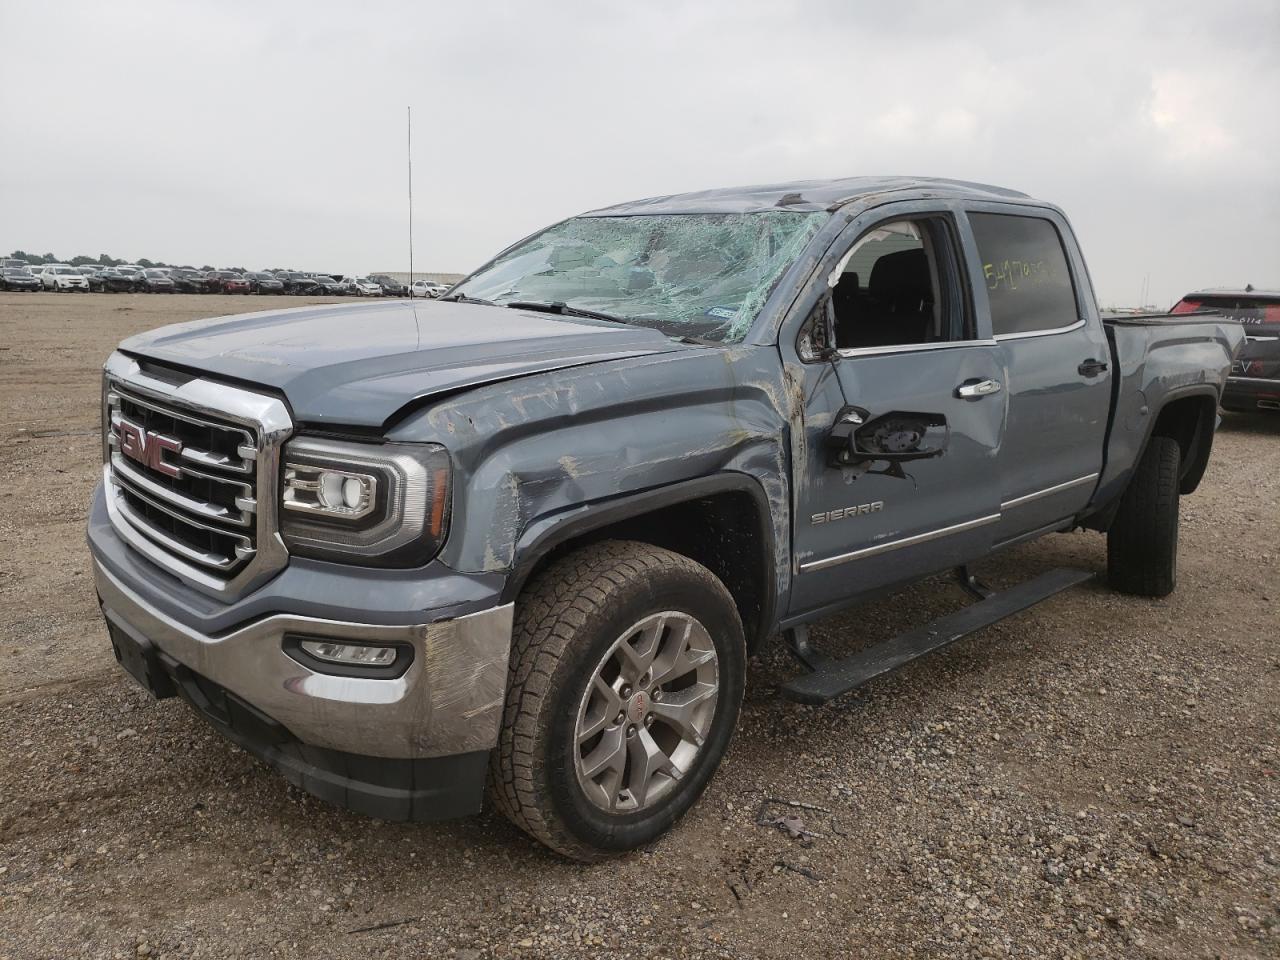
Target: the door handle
(1091, 368)
(977, 389)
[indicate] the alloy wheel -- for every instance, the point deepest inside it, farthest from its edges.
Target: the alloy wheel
(646, 712)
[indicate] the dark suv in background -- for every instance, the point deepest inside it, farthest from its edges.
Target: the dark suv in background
(390, 286)
(262, 282)
(186, 280)
(295, 282)
(18, 278)
(1254, 383)
(156, 280)
(121, 279)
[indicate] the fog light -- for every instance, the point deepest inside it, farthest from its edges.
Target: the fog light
(349, 654)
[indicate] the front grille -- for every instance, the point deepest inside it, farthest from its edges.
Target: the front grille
(191, 474)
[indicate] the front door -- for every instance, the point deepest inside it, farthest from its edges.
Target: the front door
(915, 489)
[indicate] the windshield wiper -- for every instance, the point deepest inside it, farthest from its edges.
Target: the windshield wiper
(465, 298)
(562, 308)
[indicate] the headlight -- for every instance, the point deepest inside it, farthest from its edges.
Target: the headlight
(379, 504)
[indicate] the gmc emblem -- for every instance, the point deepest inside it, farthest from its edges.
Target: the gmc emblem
(147, 447)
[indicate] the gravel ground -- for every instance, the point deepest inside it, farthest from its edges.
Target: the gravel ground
(1097, 777)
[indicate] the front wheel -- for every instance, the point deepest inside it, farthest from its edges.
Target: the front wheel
(1142, 542)
(627, 670)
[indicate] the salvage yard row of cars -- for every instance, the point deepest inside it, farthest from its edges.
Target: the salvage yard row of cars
(19, 275)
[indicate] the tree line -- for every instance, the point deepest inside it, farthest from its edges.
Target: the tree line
(106, 260)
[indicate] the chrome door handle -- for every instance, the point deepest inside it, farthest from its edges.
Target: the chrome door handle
(978, 389)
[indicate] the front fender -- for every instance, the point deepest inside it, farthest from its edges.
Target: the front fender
(532, 452)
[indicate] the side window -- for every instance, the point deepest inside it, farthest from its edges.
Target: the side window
(1028, 281)
(899, 285)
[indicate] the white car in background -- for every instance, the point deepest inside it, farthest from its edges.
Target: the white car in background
(63, 276)
(363, 286)
(427, 288)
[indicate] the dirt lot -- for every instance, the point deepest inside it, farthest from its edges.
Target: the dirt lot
(1097, 777)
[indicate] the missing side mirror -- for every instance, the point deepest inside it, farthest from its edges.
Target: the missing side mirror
(894, 437)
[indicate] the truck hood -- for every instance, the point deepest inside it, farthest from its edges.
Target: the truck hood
(358, 365)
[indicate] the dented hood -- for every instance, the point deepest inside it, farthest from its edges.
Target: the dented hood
(358, 364)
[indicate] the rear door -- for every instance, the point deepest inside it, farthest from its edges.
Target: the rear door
(1055, 361)
(914, 377)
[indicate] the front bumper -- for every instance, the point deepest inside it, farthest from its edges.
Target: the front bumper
(413, 747)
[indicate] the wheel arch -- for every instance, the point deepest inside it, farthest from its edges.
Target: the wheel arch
(722, 522)
(1191, 420)
(1189, 417)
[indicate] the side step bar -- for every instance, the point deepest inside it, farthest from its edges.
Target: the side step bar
(831, 678)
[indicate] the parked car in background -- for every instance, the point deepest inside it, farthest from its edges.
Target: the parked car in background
(63, 276)
(16, 262)
(186, 280)
(428, 288)
(296, 283)
(92, 272)
(123, 278)
(364, 287)
(1254, 382)
(326, 285)
(228, 281)
(262, 282)
(156, 280)
(18, 278)
(391, 287)
(115, 280)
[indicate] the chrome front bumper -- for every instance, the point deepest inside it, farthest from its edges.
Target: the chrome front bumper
(449, 701)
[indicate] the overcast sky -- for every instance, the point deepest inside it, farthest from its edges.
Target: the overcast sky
(265, 134)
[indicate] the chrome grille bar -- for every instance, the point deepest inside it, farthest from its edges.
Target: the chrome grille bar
(138, 481)
(190, 468)
(243, 549)
(245, 448)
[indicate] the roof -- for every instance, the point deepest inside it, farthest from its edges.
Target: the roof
(1246, 291)
(804, 195)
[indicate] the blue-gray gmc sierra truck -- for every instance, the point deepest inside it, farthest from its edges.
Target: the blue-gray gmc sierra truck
(528, 535)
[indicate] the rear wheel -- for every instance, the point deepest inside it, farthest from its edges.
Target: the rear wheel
(626, 677)
(1142, 543)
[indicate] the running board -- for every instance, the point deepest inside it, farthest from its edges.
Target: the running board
(831, 678)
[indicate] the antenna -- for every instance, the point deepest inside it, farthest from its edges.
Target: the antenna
(410, 153)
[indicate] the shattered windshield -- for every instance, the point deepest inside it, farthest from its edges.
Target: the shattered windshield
(695, 275)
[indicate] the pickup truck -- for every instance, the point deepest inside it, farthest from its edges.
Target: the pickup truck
(524, 538)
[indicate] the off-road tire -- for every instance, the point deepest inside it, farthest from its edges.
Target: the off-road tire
(566, 619)
(1142, 543)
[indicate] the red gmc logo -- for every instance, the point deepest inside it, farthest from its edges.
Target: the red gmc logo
(147, 447)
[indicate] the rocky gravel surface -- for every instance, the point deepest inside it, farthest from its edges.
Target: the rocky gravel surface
(1096, 777)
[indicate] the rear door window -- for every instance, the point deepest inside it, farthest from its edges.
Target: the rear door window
(1028, 281)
